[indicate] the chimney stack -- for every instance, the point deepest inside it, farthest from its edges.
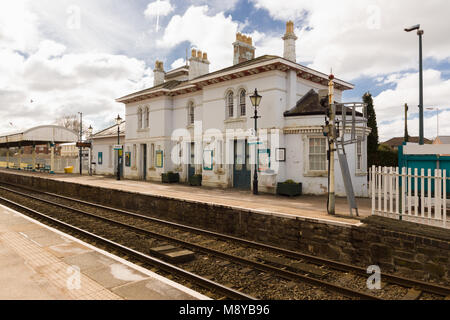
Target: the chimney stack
(289, 42)
(159, 73)
(243, 49)
(198, 64)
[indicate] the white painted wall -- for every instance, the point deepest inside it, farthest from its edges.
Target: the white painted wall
(279, 92)
(105, 145)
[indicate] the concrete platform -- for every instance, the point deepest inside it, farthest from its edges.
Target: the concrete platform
(40, 263)
(310, 207)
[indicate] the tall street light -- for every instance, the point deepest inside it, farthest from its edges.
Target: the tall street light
(256, 100)
(81, 140)
(420, 34)
(437, 116)
(90, 131)
(118, 122)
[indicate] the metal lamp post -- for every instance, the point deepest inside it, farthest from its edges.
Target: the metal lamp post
(256, 100)
(81, 140)
(118, 122)
(420, 34)
(90, 131)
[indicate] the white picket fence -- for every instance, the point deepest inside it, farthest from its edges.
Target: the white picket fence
(398, 195)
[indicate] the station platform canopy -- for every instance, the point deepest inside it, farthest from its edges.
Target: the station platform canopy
(38, 136)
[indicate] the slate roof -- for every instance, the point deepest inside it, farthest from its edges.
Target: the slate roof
(398, 141)
(310, 104)
(173, 84)
(111, 131)
(240, 65)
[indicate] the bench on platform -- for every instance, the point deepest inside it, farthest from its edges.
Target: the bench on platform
(45, 168)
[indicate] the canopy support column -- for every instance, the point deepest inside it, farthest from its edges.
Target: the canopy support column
(20, 157)
(7, 157)
(34, 157)
(52, 158)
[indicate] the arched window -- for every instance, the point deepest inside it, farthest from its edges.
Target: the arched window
(139, 118)
(147, 117)
(191, 113)
(243, 108)
(230, 104)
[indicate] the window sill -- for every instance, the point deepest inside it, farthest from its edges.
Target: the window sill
(316, 174)
(232, 120)
(361, 174)
(143, 130)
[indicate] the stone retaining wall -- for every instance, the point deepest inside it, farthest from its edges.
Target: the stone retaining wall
(378, 241)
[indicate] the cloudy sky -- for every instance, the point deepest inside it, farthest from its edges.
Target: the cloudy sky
(60, 57)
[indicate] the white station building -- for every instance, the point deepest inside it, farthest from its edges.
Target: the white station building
(198, 122)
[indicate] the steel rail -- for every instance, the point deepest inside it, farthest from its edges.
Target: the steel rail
(256, 265)
(203, 282)
(390, 278)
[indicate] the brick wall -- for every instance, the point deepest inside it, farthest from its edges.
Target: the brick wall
(416, 251)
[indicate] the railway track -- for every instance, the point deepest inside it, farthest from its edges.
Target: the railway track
(171, 269)
(268, 260)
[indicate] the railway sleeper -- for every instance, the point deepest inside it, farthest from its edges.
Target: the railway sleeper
(173, 254)
(294, 266)
(412, 294)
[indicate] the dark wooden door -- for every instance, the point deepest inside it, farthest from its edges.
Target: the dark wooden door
(144, 162)
(191, 167)
(241, 166)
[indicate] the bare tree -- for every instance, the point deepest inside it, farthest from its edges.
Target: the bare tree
(72, 122)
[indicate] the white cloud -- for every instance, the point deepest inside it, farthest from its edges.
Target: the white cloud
(365, 37)
(59, 76)
(215, 6)
(213, 34)
(389, 104)
(158, 8)
(17, 25)
(66, 85)
(178, 63)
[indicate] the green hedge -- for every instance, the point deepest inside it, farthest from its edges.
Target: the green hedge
(383, 158)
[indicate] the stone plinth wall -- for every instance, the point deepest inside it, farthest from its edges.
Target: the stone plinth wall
(416, 251)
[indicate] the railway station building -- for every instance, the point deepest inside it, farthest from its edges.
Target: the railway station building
(196, 122)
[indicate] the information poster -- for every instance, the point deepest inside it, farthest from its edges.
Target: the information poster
(159, 159)
(208, 160)
(128, 159)
(263, 160)
(100, 158)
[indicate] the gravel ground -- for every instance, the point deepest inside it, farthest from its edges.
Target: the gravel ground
(234, 275)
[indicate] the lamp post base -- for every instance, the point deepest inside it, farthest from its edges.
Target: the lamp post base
(255, 187)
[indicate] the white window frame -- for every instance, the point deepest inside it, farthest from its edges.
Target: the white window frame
(147, 117)
(191, 113)
(140, 118)
(229, 107)
(362, 170)
(242, 102)
(310, 171)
